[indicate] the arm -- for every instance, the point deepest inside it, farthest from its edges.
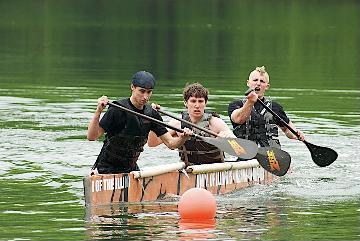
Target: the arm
(219, 126)
(242, 114)
(175, 142)
(290, 135)
(154, 140)
(94, 129)
(278, 109)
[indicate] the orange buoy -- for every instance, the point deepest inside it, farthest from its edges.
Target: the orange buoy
(197, 205)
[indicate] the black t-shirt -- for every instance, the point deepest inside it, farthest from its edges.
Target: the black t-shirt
(115, 120)
(276, 107)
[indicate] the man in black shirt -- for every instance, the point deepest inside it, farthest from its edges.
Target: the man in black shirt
(252, 121)
(126, 133)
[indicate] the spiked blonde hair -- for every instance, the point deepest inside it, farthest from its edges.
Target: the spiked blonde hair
(262, 71)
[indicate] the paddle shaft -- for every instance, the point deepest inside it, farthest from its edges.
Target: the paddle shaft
(274, 114)
(147, 117)
(282, 120)
(188, 122)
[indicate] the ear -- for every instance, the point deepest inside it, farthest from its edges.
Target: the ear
(268, 86)
(185, 104)
(247, 83)
(132, 87)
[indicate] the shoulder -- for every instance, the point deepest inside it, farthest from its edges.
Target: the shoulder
(235, 104)
(217, 123)
(122, 102)
(185, 115)
(125, 101)
(278, 109)
(208, 115)
(216, 119)
(148, 110)
(276, 105)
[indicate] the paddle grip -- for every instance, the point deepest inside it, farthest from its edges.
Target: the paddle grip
(248, 91)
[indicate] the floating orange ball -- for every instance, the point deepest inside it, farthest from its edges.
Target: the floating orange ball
(197, 204)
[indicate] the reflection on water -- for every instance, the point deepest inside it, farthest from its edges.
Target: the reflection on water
(125, 221)
(277, 218)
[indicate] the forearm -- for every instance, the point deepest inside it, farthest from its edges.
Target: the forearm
(291, 135)
(173, 142)
(176, 142)
(94, 130)
(242, 114)
(288, 133)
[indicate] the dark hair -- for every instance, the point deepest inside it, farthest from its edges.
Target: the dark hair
(195, 90)
(143, 79)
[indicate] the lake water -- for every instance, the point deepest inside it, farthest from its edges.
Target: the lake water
(58, 57)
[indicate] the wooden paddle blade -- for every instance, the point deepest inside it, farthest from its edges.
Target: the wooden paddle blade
(322, 156)
(274, 160)
(242, 148)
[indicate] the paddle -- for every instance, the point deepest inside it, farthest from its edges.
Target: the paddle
(273, 160)
(234, 146)
(322, 156)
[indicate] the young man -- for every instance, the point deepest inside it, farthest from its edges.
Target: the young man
(252, 121)
(126, 133)
(194, 150)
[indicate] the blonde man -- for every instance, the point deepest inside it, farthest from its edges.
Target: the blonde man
(252, 121)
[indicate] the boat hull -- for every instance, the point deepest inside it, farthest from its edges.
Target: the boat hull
(104, 189)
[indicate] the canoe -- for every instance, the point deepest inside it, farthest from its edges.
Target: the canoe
(160, 182)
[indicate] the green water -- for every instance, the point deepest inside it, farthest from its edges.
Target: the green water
(58, 57)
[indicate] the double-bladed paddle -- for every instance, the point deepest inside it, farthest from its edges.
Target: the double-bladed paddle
(273, 160)
(234, 146)
(322, 156)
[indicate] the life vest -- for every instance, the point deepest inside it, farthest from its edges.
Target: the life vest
(195, 150)
(260, 127)
(121, 151)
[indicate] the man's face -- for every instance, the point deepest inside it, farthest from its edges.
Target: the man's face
(196, 106)
(141, 95)
(259, 83)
